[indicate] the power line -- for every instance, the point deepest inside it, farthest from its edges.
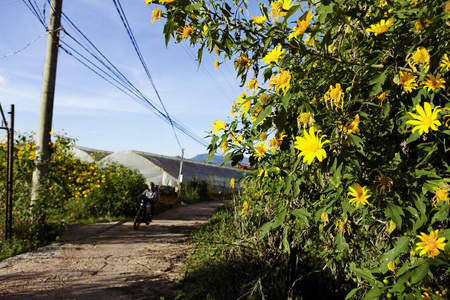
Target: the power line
(136, 48)
(112, 72)
(20, 50)
(35, 11)
(215, 83)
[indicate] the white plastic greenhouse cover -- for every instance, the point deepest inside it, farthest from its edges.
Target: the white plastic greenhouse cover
(81, 155)
(164, 170)
(149, 170)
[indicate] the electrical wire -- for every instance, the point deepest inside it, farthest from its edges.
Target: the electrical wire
(20, 50)
(108, 70)
(189, 52)
(141, 59)
(35, 11)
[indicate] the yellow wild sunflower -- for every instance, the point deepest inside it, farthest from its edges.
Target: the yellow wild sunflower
(383, 182)
(276, 141)
(426, 118)
(185, 32)
(408, 81)
(216, 65)
(359, 194)
(218, 125)
(243, 104)
(441, 195)
(274, 55)
(352, 127)
(305, 118)
(430, 244)
(166, 1)
(260, 20)
(244, 208)
(335, 96)
(324, 217)
(432, 83)
(280, 8)
(381, 97)
(281, 81)
(242, 62)
(224, 147)
(445, 63)
(260, 150)
(380, 27)
(343, 226)
(311, 146)
(156, 14)
(252, 85)
(232, 182)
(420, 56)
(302, 25)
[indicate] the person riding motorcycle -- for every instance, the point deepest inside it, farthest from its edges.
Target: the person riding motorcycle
(150, 197)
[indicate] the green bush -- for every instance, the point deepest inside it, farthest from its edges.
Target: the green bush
(194, 191)
(347, 126)
(72, 191)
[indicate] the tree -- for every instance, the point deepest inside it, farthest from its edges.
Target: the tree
(346, 122)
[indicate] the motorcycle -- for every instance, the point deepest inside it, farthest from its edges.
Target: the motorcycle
(143, 214)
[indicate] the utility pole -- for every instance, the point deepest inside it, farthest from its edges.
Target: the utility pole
(180, 174)
(48, 94)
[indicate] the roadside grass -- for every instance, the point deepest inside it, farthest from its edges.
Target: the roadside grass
(222, 266)
(226, 264)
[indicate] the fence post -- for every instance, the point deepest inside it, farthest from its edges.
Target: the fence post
(10, 174)
(9, 171)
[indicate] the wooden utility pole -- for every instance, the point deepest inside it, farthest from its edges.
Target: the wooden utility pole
(48, 93)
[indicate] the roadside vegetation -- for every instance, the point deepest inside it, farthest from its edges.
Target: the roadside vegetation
(346, 121)
(73, 192)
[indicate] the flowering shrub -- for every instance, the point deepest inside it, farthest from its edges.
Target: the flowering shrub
(354, 98)
(72, 190)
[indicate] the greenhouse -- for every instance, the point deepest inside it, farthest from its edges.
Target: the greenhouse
(88, 154)
(162, 170)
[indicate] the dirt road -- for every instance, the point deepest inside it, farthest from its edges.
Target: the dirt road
(107, 261)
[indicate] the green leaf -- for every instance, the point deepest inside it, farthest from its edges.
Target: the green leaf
(199, 56)
(264, 113)
(275, 223)
(355, 140)
(352, 293)
(375, 293)
(413, 137)
(420, 205)
(291, 11)
(442, 214)
(363, 273)
(302, 215)
(378, 81)
(340, 242)
(401, 246)
(394, 212)
(285, 101)
(323, 11)
(420, 272)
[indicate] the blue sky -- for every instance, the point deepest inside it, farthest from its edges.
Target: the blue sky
(86, 106)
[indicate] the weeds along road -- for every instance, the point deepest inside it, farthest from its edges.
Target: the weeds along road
(107, 261)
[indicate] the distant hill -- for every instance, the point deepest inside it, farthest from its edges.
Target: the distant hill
(217, 159)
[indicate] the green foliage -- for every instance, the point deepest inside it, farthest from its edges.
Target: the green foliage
(72, 191)
(195, 190)
(357, 112)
